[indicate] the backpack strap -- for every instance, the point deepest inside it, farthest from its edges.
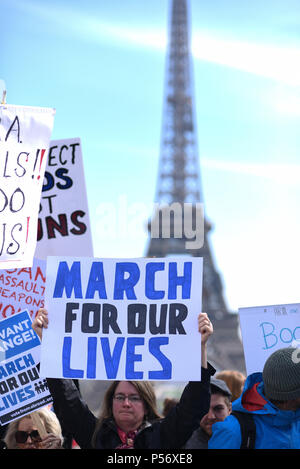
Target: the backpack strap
(248, 428)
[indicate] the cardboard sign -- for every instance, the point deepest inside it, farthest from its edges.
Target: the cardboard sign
(127, 319)
(63, 224)
(22, 289)
(21, 389)
(266, 329)
(24, 139)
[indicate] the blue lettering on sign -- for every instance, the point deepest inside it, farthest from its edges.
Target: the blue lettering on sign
(125, 285)
(132, 357)
(16, 397)
(151, 269)
(111, 356)
(127, 275)
(185, 280)
(68, 280)
(68, 372)
(271, 336)
(17, 335)
(154, 349)
(96, 281)
(112, 360)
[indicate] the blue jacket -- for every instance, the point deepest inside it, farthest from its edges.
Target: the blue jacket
(275, 428)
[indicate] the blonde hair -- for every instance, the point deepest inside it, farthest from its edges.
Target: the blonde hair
(235, 380)
(146, 392)
(48, 418)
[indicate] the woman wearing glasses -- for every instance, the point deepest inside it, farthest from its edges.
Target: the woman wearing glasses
(41, 432)
(129, 417)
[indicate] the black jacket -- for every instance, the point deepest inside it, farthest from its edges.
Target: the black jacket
(170, 432)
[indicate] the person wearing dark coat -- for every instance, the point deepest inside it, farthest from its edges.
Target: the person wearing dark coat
(220, 408)
(129, 417)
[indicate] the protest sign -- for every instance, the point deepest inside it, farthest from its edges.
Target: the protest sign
(266, 329)
(21, 389)
(127, 319)
(22, 289)
(24, 139)
(63, 224)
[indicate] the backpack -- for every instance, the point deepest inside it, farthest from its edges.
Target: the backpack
(248, 428)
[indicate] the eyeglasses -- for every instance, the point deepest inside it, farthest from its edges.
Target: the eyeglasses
(133, 398)
(22, 437)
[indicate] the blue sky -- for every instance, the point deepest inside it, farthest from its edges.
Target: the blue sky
(102, 66)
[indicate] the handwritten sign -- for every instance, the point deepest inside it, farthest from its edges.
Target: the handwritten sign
(128, 319)
(24, 139)
(22, 289)
(63, 224)
(266, 329)
(21, 389)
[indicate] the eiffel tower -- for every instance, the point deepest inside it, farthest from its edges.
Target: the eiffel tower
(179, 183)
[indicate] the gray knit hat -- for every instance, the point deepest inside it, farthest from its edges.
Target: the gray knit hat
(281, 374)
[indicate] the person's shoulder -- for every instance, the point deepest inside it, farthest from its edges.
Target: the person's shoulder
(226, 434)
(198, 440)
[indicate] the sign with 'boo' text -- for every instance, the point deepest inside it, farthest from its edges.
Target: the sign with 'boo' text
(127, 319)
(266, 329)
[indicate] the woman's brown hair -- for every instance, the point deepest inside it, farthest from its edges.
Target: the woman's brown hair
(145, 391)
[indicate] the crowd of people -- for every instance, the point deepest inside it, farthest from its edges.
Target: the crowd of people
(225, 410)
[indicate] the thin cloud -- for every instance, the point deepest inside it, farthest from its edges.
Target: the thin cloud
(284, 173)
(277, 63)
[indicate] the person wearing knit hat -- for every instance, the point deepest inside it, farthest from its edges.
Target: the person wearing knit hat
(220, 408)
(281, 377)
(272, 398)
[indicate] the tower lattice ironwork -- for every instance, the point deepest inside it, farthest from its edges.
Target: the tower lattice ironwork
(179, 183)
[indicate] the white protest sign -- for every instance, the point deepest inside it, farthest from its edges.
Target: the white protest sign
(63, 226)
(25, 134)
(21, 389)
(22, 289)
(127, 319)
(266, 329)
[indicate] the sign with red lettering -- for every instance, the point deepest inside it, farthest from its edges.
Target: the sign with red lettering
(25, 134)
(63, 224)
(22, 289)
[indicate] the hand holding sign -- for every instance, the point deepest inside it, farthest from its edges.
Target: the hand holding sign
(205, 328)
(40, 322)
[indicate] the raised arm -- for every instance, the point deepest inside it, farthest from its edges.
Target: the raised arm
(194, 403)
(205, 328)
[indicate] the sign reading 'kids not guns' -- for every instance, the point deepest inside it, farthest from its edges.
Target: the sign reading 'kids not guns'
(63, 225)
(25, 134)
